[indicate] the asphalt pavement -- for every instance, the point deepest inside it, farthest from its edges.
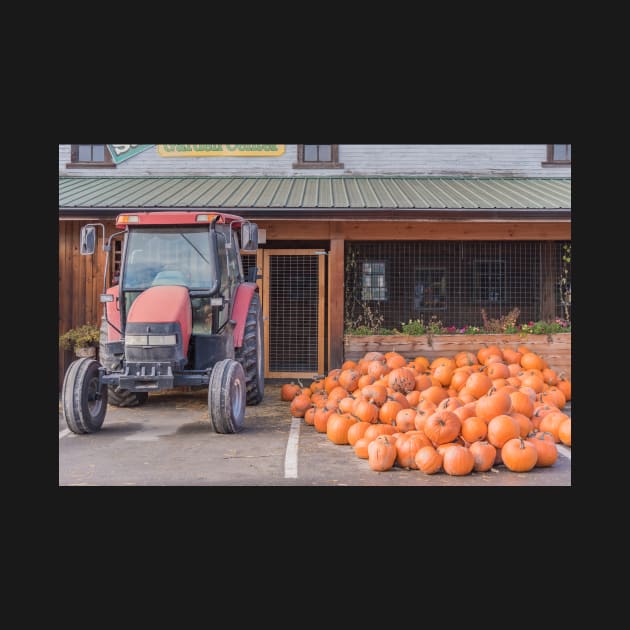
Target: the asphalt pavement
(169, 441)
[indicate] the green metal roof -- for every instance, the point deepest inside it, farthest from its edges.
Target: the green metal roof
(313, 192)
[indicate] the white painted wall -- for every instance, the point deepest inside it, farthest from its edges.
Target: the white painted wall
(478, 160)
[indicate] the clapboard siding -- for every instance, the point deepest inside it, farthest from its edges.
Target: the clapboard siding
(80, 284)
(555, 349)
(489, 160)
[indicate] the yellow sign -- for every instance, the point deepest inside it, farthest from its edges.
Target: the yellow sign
(220, 150)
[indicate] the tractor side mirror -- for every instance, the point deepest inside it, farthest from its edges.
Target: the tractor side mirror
(249, 237)
(88, 240)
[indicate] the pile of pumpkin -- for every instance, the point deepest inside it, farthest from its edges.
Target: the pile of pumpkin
(457, 415)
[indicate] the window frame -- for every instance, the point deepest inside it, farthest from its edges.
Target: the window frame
(384, 290)
(553, 162)
(333, 163)
(75, 163)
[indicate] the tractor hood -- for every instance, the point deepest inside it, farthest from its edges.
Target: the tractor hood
(153, 315)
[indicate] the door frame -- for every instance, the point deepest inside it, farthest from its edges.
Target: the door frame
(321, 305)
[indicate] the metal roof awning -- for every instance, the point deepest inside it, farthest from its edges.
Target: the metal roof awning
(323, 197)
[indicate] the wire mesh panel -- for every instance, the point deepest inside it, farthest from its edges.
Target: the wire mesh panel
(249, 261)
(391, 282)
(294, 302)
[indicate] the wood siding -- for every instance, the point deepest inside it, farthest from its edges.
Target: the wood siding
(477, 160)
(555, 349)
(80, 283)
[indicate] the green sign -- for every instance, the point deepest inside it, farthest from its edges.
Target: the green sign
(122, 152)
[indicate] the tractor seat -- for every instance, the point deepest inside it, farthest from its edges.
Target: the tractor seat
(169, 278)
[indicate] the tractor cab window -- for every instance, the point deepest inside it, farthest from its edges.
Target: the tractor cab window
(168, 256)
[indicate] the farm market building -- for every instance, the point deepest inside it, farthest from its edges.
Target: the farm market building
(351, 233)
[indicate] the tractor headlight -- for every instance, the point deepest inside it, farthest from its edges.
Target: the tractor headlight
(151, 340)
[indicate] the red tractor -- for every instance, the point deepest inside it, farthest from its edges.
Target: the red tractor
(181, 314)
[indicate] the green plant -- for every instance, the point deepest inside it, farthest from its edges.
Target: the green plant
(414, 327)
(80, 337)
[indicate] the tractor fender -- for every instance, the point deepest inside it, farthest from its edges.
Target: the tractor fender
(113, 314)
(242, 300)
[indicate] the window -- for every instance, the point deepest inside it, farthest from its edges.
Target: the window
(318, 156)
(90, 156)
(114, 270)
(488, 281)
(430, 290)
(558, 154)
(374, 281)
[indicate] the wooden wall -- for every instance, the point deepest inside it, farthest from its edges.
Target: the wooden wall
(80, 283)
(555, 349)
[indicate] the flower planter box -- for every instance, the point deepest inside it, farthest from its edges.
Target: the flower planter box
(555, 349)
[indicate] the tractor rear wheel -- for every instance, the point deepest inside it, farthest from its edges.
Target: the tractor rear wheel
(124, 398)
(226, 396)
(251, 354)
(83, 410)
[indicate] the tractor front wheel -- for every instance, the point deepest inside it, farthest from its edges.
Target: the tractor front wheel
(226, 396)
(83, 409)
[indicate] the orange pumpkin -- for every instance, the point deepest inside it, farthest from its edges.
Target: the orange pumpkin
(501, 429)
(381, 453)
(435, 394)
(357, 431)
(320, 419)
(458, 460)
(565, 387)
(299, 405)
(474, 429)
(289, 391)
(442, 427)
(361, 447)
(346, 404)
(376, 394)
(524, 423)
(423, 381)
(547, 451)
(483, 454)
(428, 460)
(395, 360)
(478, 384)
(374, 430)
(407, 447)
(498, 370)
(519, 455)
(492, 405)
(338, 426)
(530, 360)
(309, 415)
(364, 381)
(512, 356)
(364, 410)
(522, 403)
(402, 380)
(564, 431)
(465, 358)
(349, 379)
(405, 420)
(551, 422)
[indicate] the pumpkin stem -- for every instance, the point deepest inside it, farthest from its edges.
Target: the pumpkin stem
(522, 446)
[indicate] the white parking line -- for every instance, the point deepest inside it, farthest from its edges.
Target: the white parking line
(291, 456)
(62, 434)
(563, 450)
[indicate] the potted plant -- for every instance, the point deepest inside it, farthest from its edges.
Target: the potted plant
(82, 340)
